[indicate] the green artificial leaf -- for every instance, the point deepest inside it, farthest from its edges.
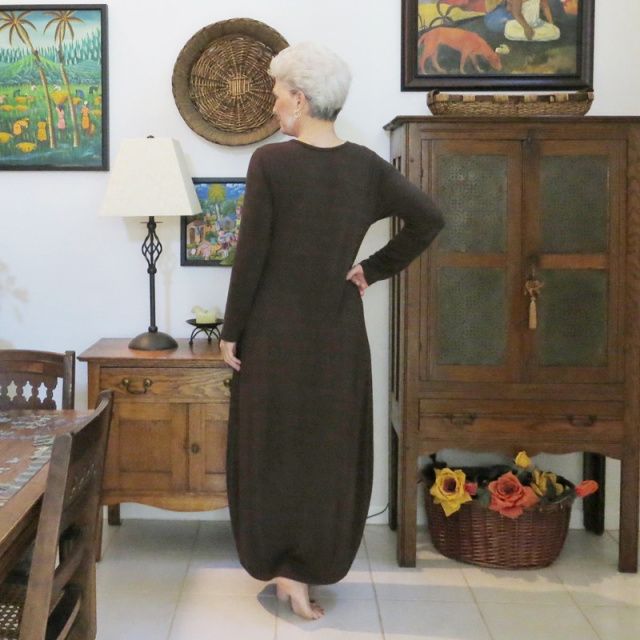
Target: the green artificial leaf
(483, 497)
(524, 477)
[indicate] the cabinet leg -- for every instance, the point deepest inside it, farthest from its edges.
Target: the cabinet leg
(99, 535)
(629, 495)
(594, 466)
(113, 512)
(393, 478)
(407, 505)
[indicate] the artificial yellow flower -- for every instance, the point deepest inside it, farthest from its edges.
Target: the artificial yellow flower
(523, 460)
(449, 491)
(542, 480)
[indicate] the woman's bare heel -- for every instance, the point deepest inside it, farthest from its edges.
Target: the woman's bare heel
(282, 595)
(297, 593)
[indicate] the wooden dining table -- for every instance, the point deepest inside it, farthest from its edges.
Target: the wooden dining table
(26, 439)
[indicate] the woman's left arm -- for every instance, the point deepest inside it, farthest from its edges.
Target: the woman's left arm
(423, 220)
(254, 239)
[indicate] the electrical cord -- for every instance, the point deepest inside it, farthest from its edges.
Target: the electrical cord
(373, 515)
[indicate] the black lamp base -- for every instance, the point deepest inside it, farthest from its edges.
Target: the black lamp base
(153, 341)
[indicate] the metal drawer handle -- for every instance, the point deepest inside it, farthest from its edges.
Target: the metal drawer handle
(226, 382)
(146, 383)
(462, 420)
(195, 448)
(582, 421)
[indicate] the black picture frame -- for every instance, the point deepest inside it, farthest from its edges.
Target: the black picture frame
(577, 75)
(65, 117)
(208, 239)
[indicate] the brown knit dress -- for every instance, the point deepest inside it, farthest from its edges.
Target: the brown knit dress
(299, 458)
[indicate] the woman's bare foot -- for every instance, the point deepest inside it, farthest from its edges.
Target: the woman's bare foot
(298, 595)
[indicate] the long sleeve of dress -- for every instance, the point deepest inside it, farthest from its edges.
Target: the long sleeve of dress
(422, 223)
(251, 251)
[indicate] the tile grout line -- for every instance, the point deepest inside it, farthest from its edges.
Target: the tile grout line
(277, 616)
(478, 607)
(577, 604)
(184, 578)
(373, 586)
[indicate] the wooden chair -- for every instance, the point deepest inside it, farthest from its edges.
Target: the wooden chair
(59, 600)
(36, 368)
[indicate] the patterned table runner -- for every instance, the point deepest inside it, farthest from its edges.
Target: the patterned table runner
(26, 439)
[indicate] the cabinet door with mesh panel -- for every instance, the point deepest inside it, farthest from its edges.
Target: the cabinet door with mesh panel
(470, 325)
(573, 252)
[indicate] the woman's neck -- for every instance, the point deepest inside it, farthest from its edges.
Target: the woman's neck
(319, 133)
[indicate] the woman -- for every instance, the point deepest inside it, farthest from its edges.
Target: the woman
(299, 463)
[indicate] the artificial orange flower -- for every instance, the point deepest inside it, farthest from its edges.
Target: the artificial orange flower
(586, 488)
(509, 497)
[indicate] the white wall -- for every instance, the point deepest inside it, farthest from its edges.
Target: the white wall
(68, 278)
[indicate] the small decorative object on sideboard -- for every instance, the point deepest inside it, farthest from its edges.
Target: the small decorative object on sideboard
(206, 321)
(576, 103)
(509, 517)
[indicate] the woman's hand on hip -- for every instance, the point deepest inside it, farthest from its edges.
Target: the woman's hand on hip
(356, 275)
(228, 350)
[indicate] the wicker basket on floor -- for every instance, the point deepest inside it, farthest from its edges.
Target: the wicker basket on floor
(480, 536)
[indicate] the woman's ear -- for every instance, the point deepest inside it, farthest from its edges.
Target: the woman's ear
(301, 101)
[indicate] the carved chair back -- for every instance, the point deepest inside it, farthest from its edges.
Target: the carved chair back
(61, 592)
(28, 371)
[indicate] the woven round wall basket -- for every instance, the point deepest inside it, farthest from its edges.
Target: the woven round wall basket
(221, 85)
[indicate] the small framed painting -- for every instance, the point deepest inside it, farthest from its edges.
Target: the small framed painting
(209, 239)
(53, 87)
(497, 44)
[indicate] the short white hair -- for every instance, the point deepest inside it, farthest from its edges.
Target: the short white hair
(318, 72)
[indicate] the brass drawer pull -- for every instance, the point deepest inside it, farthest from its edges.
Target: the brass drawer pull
(582, 421)
(226, 382)
(146, 383)
(195, 448)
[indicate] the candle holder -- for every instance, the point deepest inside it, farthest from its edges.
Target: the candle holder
(210, 329)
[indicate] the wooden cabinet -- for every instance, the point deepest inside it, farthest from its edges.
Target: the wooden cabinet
(167, 445)
(518, 328)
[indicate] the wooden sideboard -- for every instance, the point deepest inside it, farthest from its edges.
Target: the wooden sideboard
(543, 205)
(167, 445)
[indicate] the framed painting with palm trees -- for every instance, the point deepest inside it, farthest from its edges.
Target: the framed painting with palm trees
(209, 239)
(53, 87)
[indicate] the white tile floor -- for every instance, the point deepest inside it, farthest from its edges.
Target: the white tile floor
(173, 580)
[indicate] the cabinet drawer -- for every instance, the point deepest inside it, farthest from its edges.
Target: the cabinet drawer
(466, 431)
(167, 384)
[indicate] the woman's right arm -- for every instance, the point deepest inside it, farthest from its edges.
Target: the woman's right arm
(254, 239)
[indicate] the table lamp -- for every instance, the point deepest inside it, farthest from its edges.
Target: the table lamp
(150, 178)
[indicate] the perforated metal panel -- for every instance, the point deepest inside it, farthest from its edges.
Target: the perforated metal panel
(572, 315)
(574, 202)
(472, 316)
(472, 192)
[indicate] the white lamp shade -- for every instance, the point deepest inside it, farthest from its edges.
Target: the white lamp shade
(150, 178)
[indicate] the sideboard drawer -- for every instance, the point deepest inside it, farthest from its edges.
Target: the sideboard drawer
(167, 384)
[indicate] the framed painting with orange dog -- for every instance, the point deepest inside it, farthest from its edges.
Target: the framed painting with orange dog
(497, 44)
